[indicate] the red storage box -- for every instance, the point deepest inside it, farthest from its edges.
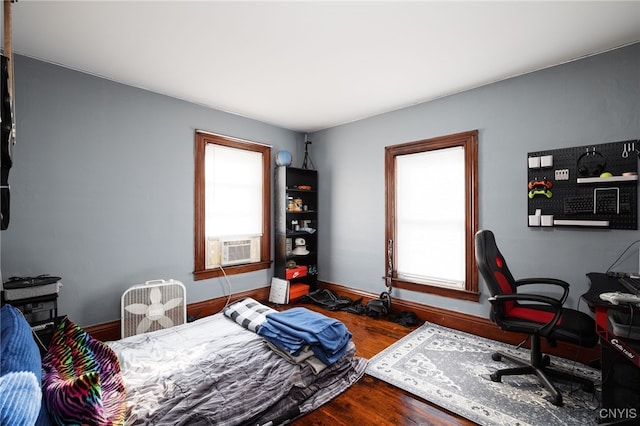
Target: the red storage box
(297, 272)
(296, 291)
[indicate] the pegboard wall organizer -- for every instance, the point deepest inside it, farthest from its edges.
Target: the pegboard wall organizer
(585, 186)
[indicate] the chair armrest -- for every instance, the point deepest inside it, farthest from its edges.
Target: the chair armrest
(554, 281)
(524, 297)
(550, 281)
(556, 304)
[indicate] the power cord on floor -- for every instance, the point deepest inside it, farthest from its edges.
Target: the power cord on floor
(523, 342)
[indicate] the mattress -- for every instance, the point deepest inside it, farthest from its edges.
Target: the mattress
(214, 371)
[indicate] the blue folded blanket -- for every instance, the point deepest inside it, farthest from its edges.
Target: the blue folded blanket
(293, 329)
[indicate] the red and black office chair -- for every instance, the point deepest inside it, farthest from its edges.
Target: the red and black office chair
(537, 315)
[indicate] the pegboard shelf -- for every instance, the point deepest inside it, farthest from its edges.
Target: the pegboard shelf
(569, 222)
(609, 179)
(565, 187)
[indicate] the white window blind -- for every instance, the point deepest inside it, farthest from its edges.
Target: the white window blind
(233, 192)
(430, 207)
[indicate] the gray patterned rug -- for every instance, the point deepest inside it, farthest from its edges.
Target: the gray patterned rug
(451, 369)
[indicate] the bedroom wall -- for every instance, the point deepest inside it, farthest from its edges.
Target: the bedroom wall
(592, 100)
(102, 187)
(102, 184)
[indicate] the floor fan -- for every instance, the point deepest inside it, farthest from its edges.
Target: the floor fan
(152, 306)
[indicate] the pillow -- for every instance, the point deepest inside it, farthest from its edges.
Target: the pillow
(82, 383)
(20, 398)
(19, 353)
(248, 313)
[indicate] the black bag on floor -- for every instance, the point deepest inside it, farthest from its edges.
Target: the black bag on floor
(328, 300)
(406, 318)
(380, 307)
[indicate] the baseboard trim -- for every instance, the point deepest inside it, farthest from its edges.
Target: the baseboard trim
(109, 331)
(479, 326)
(469, 323)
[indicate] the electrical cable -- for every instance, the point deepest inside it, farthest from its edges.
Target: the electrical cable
(623, 253)
(41, 345)
(523, 342)
(226, 280)
(574, 389)
(228, 288)
(575, 359)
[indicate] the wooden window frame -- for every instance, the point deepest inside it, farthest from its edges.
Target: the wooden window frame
(200, 270)
(469, 142)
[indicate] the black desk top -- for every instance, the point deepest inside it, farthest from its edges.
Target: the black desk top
(601, 283)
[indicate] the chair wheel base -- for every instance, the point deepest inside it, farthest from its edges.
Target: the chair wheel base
(556, 400)
(587, 387)
(539, 366)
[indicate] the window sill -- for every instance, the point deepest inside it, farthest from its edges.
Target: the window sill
(231, 270)
(472, 296)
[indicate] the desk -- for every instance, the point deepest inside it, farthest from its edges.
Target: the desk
(620, 357)
(602, 283)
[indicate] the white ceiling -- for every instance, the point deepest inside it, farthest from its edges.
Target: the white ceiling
(306, 65)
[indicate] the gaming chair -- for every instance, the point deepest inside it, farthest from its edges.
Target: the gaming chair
(539, 316)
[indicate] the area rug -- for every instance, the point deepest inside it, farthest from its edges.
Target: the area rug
(451, 369)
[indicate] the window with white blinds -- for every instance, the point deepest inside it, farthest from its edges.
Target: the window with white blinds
(232, 206)
(233, 192)
(431, 215)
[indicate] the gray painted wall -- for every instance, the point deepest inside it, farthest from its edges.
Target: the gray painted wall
(593, 100)
(102, 184)
(102, 187)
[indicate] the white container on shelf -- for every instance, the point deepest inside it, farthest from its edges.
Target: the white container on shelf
(546, 220)
(534, 162)
(546, 161)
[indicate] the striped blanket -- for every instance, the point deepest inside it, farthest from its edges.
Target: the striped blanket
(248, 313)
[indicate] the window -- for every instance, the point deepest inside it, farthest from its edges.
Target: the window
(232, 206)
(431, 215)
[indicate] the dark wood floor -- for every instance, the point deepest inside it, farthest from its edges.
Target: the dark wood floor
(371, 401)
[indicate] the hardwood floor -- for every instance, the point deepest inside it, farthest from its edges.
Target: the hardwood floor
(371, 401)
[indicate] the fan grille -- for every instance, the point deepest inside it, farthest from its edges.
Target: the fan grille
(153, 306)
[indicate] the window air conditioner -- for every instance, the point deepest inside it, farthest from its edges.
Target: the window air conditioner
(239, 251)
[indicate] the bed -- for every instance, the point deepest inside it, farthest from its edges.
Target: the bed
(219, 371)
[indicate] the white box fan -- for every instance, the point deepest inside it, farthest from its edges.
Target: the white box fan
(151, 306)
